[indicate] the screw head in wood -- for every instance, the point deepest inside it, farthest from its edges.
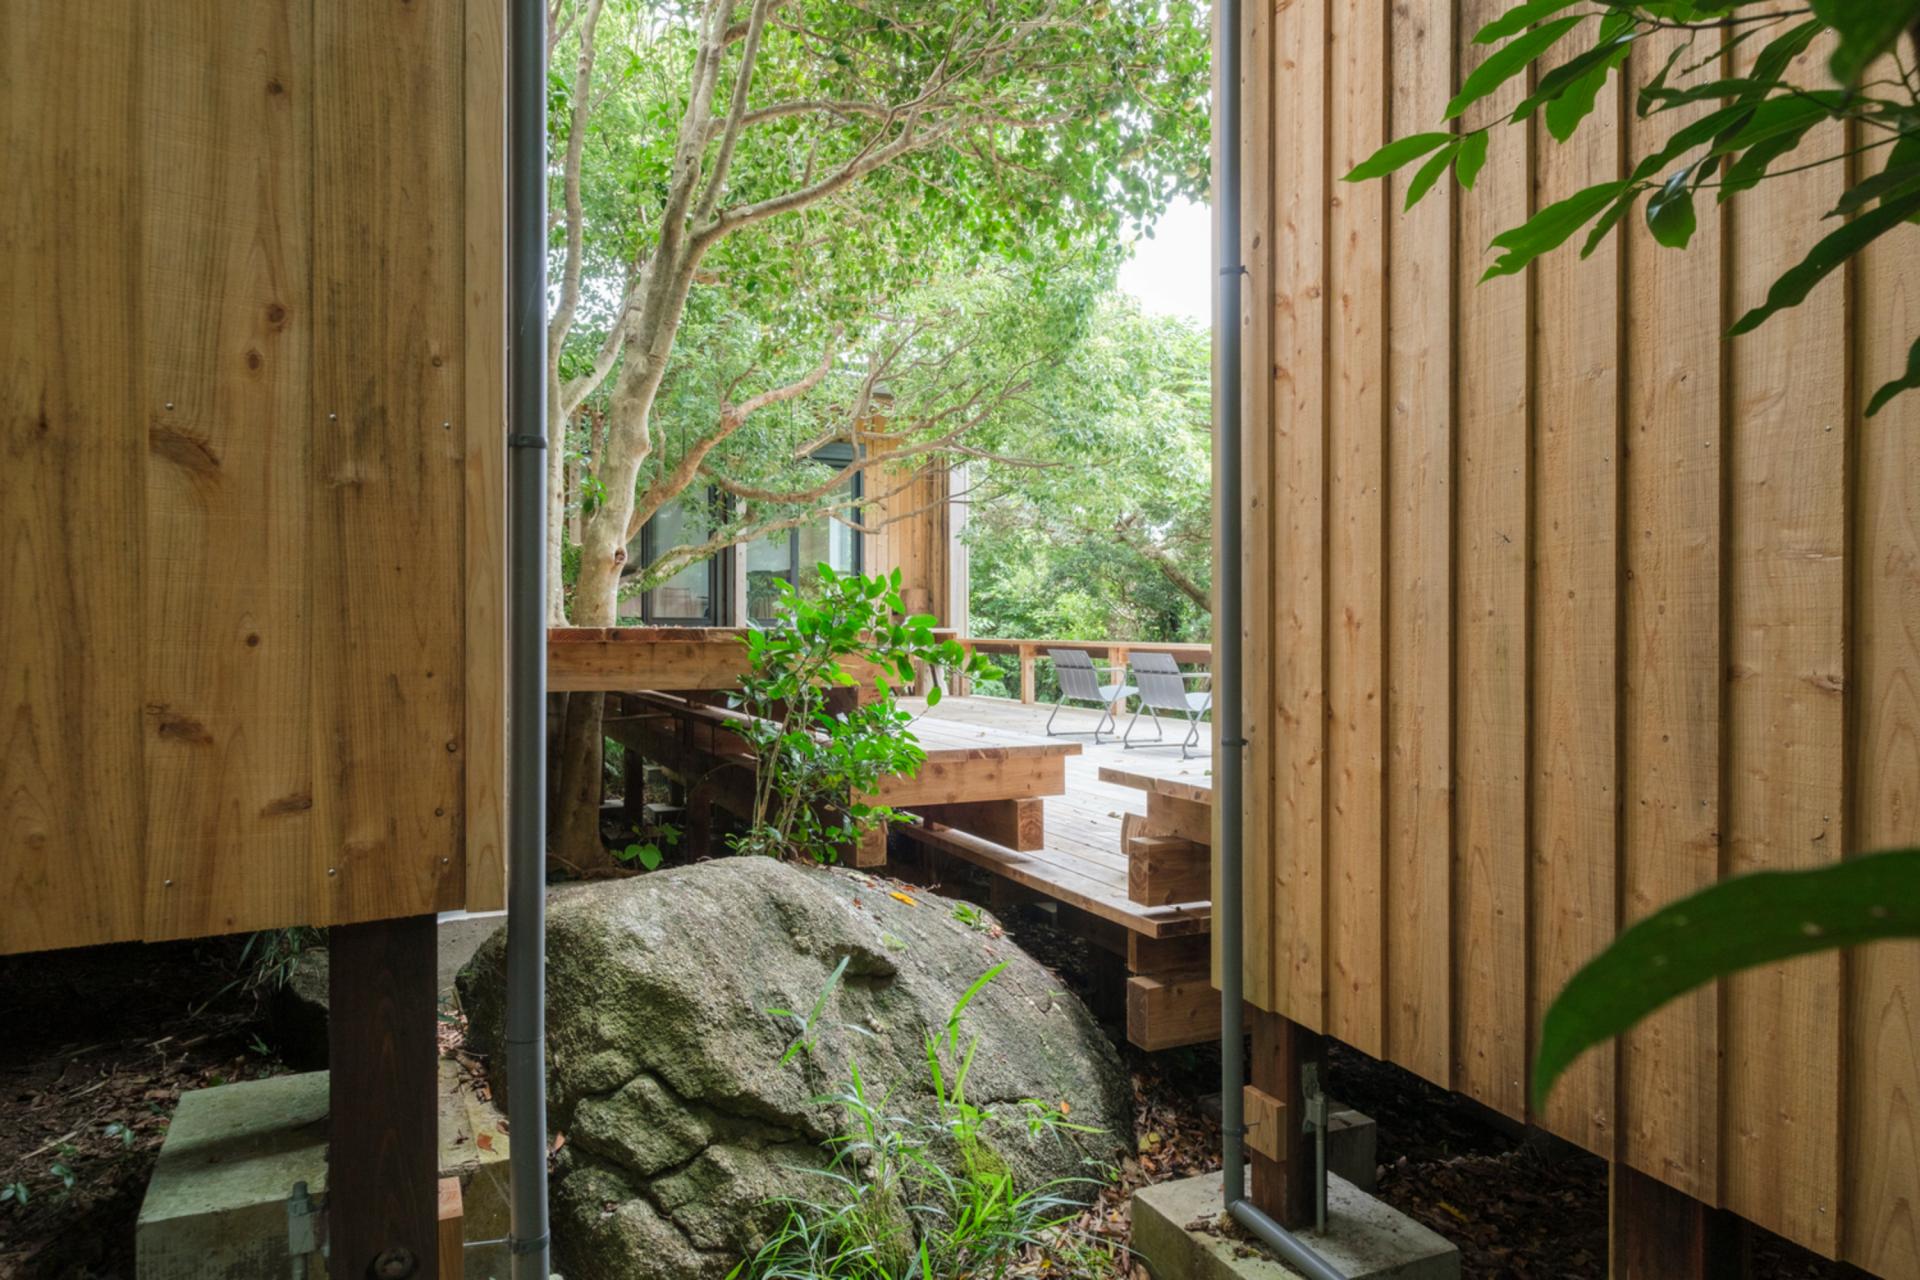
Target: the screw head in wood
(395, 1263)
(332, 871)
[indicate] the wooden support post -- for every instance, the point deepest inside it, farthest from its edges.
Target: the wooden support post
(453, 1214)
(1283, 1167)
(1117, 655)
(383, 1180)
(696, 837)
(1167, 869)
(1658, 1233)
(1026, 673)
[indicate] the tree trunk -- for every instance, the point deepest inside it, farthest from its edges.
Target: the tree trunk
(596, 603)
(576, 837)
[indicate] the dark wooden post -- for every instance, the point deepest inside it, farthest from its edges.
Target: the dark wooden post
(1658, 1233)
(383, 1178)
(1283, 1185)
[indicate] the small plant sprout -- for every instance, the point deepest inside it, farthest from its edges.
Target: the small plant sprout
(908, 1198)
(803, 1040)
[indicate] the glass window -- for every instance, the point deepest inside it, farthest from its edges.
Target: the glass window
(689, 596)
(769, 563)
(796, 556)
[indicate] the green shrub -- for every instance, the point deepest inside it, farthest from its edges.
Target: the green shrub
(816, 763)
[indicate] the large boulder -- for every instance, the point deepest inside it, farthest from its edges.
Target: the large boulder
(683, 1122)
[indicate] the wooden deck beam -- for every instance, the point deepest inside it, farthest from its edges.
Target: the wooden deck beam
(1167, 869)
(1018, 824)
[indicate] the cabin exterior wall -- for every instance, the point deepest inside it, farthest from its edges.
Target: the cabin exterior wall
(1560, 607)
(252, 507)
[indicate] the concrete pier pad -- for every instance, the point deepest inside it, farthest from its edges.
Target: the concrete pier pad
(217, 1205)
(1181, 1232)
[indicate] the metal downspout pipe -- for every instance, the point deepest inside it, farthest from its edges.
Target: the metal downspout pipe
(526, 1037)
(1229, 791)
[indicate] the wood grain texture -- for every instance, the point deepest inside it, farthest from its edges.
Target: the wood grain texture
(1356, 424)
(1786, 665)
(1575, 656)
(73, 456)
(1657, 1233)
(1671, 659)
(233, 618)
(1881, 1213)
(1283, 1182)
(1260, 366)
(1651, 616)
(484, 428)
(1418, 577)
(389, 467)
(1295, 717)
(383, 1088)
(227, 99)
(1491, 718)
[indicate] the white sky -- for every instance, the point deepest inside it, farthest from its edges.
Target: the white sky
(1170, 274)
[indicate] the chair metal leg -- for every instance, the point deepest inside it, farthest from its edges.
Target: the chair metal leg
(1056, 711)
(1192, 739)
(1126, 741)
(1107, 722)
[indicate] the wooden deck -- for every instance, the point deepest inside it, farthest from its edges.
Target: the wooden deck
(1082, 861)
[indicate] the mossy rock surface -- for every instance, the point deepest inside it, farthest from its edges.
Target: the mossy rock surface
(665, 1071)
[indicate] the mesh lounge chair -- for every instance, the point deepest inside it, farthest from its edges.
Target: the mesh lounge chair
(1163, 687)
(1080, 682)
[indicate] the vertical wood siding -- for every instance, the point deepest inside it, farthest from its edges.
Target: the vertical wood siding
(1561, 607)
(249, 509)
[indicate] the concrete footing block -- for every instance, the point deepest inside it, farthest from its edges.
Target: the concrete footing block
(1181, 1232)
(216, 1207)
(1353, 1146)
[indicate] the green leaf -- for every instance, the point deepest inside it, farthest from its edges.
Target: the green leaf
(1472, 157)
(1507, 62)
(1905, 382)
(1518, 19)
(1670, 213)
(1395, 154)
(1902, 167)
(1734, 925)
(1570, 89)
(1549, 228)
(1609, 220)
(1429, 174)
(1565, 112)
(1745, 173)
(1867, 31)
(933, 694)
(1792, 288)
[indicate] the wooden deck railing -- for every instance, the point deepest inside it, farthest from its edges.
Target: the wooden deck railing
(1114, 651)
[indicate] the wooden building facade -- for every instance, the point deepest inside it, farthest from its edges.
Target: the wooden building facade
(1560, 606)
(251, 506)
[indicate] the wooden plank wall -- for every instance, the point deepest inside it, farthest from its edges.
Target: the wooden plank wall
(1560, 607)
(250, 271)
(909, 516)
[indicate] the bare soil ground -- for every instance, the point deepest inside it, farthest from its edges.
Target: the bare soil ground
(97, 1048)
